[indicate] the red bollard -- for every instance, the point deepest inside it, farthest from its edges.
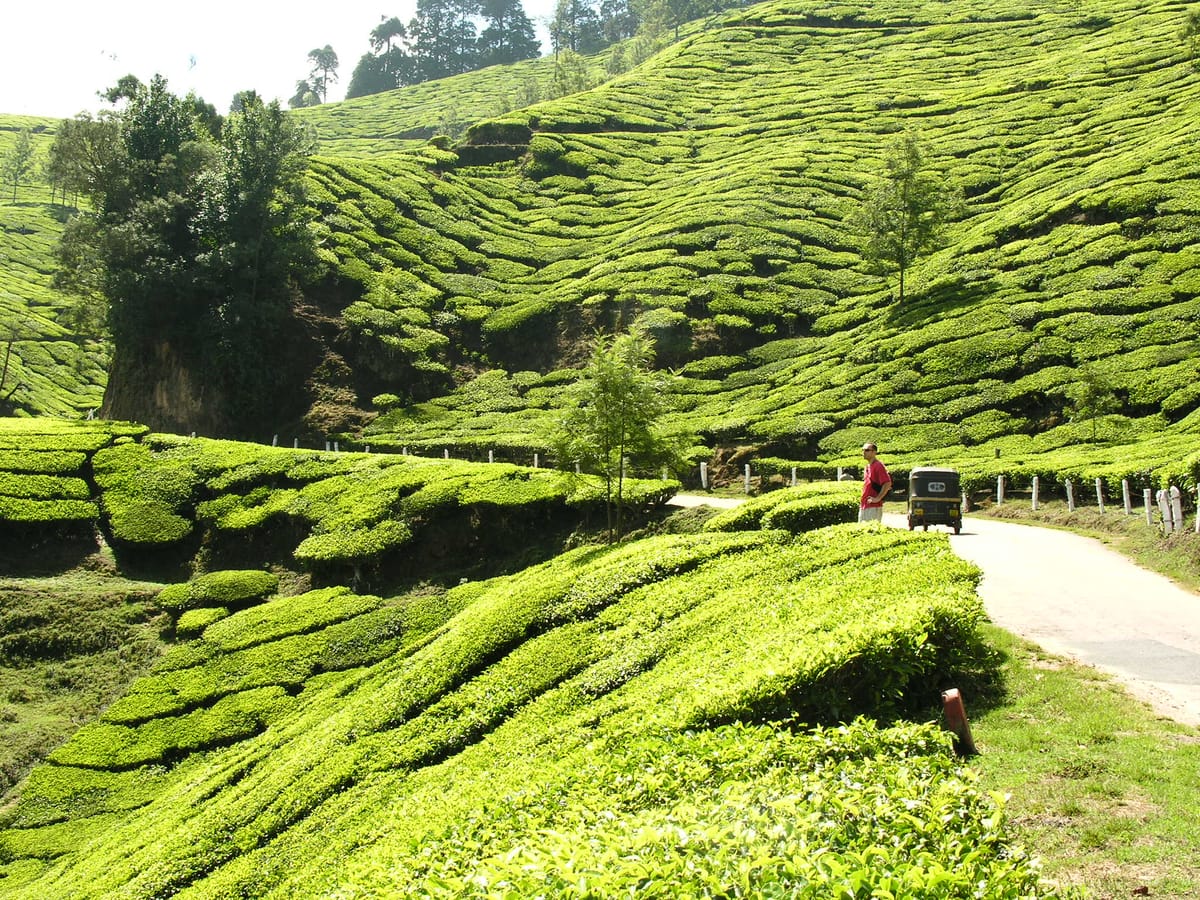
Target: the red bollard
(956, 721)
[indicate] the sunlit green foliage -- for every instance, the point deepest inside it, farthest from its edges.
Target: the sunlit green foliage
(341, 744)
(336, 510)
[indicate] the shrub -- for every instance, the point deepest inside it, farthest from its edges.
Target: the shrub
(193, 622)
(811, 513)
(229, 588)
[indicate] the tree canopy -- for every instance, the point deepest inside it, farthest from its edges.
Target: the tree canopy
(614, 417)
(902, 215)
(194, 234)
(17, 162)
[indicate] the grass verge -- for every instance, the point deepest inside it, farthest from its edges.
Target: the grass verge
(1103, 789)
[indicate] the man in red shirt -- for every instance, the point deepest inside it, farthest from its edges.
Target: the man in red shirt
(876, 484)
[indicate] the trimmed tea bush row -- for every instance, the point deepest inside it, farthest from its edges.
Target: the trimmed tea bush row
(828, 496)
(489, 695)
(352, 508)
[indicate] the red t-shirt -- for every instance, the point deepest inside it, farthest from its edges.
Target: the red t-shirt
(876, 472)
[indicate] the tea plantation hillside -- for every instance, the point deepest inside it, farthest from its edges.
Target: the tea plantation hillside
(706, 194)
(406, 118)
(660, 717)
(51, 365)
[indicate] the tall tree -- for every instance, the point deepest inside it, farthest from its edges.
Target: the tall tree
(618, 20)
(193, 243)
(431, 33)
(385, 32)
(324, 70)
(904, 213)
(613, 417)
(576, 26)
(17, 162)
(508, 35)
(304, 96)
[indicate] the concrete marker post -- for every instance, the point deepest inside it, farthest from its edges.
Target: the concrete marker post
(275, 441)
(1037, 485)
(999, 489)
(794, 477)
(704, 475)
(747, 478)
(1147, 499)
(536, 461)
(1164, 508)
(1177, 508)
(1125, 495)
(491, 456)
(295, 443)
(1100, 493)
(1070, 496)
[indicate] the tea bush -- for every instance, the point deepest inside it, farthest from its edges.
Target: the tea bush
(224, 588)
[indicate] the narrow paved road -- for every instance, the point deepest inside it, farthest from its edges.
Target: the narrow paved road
(1075, 597)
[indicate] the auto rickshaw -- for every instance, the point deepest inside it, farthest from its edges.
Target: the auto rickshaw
(934, 498)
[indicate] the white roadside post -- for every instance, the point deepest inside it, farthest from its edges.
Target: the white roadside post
(665, 473)
(747, 478)
(1147, 496)
(446, 453)
(1176, 508)
(999, 489)
(275, 441)
(327, 446)
(295, 443)
(1037, 484)
(794, 479)
(839, 473)
(1070, 496)
(1164, 508)
(491, 456)
(704, 475)
(1100, 493)
(1126, 497)
(536, 461)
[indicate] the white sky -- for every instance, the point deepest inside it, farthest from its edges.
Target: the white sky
(59, 54)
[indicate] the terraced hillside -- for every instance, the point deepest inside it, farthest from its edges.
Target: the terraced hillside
(52, 365)
(655, 716)
(705, 195)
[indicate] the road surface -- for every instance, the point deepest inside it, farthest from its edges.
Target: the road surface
(1075, 597)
